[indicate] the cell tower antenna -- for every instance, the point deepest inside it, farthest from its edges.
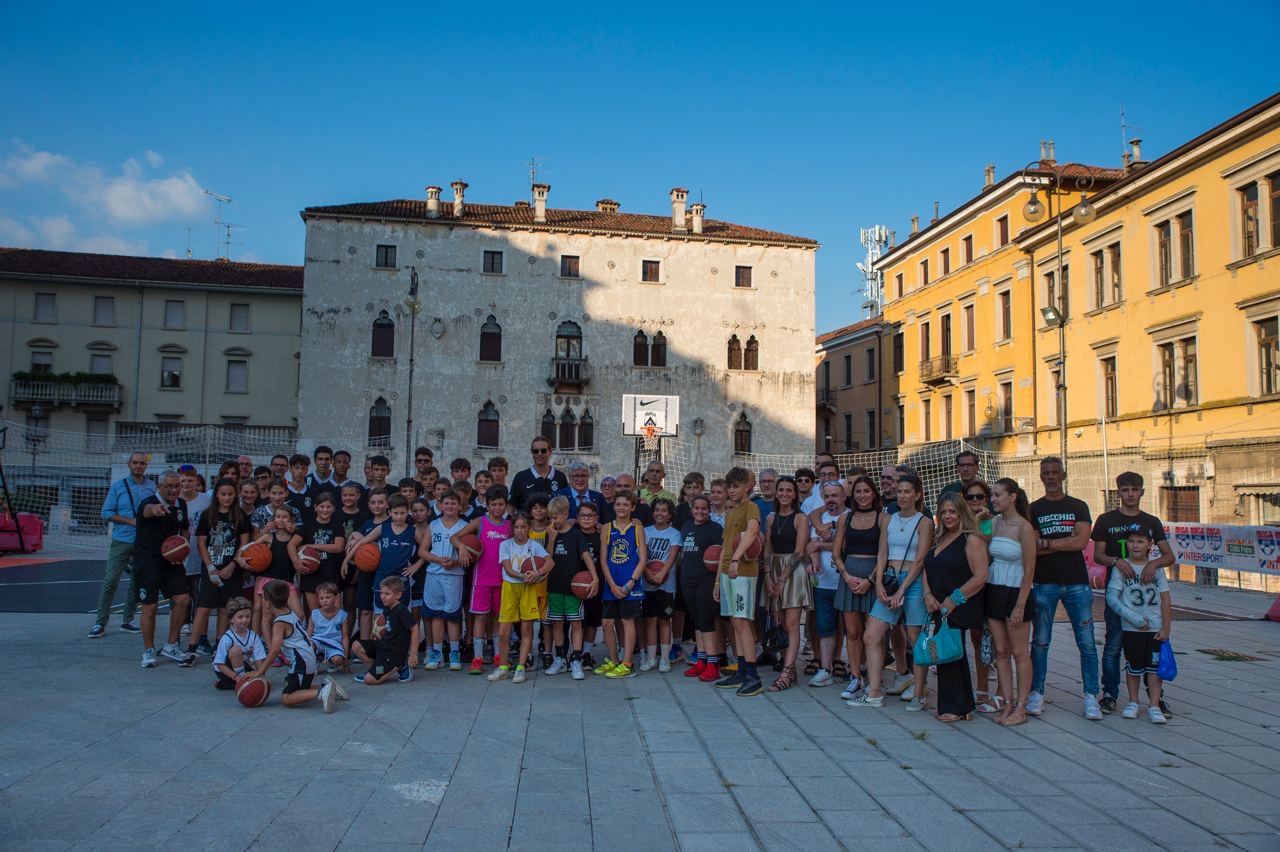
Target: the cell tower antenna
(224, 244)
(875, 240)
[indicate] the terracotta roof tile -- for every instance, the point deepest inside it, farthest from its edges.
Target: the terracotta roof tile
(497, 215)
(219, 273)
(848, 329)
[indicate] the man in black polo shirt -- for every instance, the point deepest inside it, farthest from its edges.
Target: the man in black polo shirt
(159, 516)
(1109, 549)
(541, 478)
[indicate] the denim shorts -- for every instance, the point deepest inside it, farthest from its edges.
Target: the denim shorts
(824, 611)
(912, 610)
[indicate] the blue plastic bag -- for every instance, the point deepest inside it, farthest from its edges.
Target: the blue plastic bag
(1167, 668)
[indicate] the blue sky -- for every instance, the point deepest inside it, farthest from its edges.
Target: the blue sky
(809, 120)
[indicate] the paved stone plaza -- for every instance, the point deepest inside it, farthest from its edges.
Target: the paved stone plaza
(99, 753)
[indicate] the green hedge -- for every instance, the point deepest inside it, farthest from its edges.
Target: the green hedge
(67, 378)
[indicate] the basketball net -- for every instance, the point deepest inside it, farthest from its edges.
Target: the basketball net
(651, 438)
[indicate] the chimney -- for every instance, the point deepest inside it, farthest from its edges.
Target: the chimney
(678, 197)
(607, 205)
(1043, 151)
(1126, 161)
(697, 210)
(1053, 158)
(893, 239)
(540, 191)
(935, 214)
(1136, 146)
(988, 176)
(433, 202)
(915, 225)
(459, 187)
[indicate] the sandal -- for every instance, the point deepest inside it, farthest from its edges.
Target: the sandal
(785, 681)
(1014, 708)
(952, 717)
(839, 670)
(811, 667)
(991, 704)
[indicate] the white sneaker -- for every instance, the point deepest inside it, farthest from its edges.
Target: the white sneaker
(575, 670)
(185, 631)
(865, 700)
(149, 658)
(181, 657)
(915, 705)
(822, 678)
(909, 693)
(647, 663)
(339, 691)
(852, 689)
(1035, 704)
(500, 673)
(664, 665)
(900, 683)
(1131, 710)
(518, 677)
(557, 667)
(1156, 716)
(326, 697)
(1092, 709)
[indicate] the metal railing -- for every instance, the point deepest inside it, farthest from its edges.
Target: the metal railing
(826, 398)
(64, 393)
(573, 370)
(939, 367)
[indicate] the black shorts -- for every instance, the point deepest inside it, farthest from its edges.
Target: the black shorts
(159, 578)
(384, 659)
(364, 591)
(324, 574)
(701, 606)
(209, 596)
(1002, 599)
(677, 599)
(593, 612)
(1141, 652)
(622, 609)
(223, 682)
(658, 604)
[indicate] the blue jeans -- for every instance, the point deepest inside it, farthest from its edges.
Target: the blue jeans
(1077, 600)
(1111, 654)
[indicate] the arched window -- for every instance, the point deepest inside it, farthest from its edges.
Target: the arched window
(568, 430)
(548, 430)
(491, 340)
(380, 424)
(487, 426)
(735, 353)
(752, 359)
(569, 361)
(742, 434)
(640, 350)
(586, 430)
(658, 351)
(383, 342)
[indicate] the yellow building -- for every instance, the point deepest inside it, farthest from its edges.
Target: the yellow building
(1171, 303)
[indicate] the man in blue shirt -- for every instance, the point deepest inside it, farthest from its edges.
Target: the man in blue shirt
(120, 509)
(577, 491)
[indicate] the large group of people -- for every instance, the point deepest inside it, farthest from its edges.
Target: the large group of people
(834, 571)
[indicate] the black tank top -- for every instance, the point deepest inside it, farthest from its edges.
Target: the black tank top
(861, 542)
(281, 565)
(782, 535)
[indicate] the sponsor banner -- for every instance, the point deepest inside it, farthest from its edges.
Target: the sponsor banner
(1232, 548)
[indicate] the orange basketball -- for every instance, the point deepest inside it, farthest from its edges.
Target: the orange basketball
(753, 552)
(309, 558)
(257, 555)
(367, 557)
(472, 543)
(581, 584)
(653, 570)
(253, 691)
(711, 558)
(175, 549)
(379, 628)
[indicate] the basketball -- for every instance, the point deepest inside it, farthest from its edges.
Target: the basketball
(309, 559)
(581, 584)
(753, 552)
(175, 548)
(653, 570)
(254, 691)
(472, 543)
(711, 558)
(379, 626)
(367, 557)
(257, 555)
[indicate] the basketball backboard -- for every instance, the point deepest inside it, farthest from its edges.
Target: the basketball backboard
(660, 412)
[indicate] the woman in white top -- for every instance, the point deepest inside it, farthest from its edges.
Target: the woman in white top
(1010, 606)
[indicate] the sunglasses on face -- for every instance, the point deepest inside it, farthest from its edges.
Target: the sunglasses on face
(975, 496)
(539, 452)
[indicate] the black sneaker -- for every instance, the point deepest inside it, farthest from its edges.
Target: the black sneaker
(1108, 704)
(546, 661)
(588, 662)
(130, 627)
(205, 648)
(732, 681)
(1164, 708)
(751, 686)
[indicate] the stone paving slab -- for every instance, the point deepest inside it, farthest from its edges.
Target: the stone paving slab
(98, 753)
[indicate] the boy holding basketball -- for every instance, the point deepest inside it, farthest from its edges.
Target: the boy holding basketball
(364, 581)
(290, 640)
(663, 542)
(323, 532)
(240, 648)
(736, 586)
(570, 555)
(492, 529)
(388, 655)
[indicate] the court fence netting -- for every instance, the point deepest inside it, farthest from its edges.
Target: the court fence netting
(64, 476)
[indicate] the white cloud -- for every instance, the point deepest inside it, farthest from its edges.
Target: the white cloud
(60, 233)
(13, 232)
(36, 166)
(169, 253)
(141, 201)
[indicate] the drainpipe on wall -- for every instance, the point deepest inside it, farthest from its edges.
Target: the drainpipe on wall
(1035, 363)
(137, 358)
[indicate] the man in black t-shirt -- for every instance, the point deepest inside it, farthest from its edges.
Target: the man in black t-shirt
(159, 516)
(1109, 549)
(541, 477)
(1062, 533)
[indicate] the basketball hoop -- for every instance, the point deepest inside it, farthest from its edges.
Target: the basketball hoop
(651, 437)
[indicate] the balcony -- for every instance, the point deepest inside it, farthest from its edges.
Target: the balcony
(827, 398)
(103, 395)
(569, 373)
(939, 370)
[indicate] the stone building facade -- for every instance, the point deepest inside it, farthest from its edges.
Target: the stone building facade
(531, 320)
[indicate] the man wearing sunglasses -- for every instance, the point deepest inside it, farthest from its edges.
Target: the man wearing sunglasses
(966, 469)
(540, 478)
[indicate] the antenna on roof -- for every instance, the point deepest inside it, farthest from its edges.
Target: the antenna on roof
(188, 242)
(224, 245)
(1124, 132)
(534, 162)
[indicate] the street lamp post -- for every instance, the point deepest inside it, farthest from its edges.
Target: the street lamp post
(415, 306)
(1082, 214)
